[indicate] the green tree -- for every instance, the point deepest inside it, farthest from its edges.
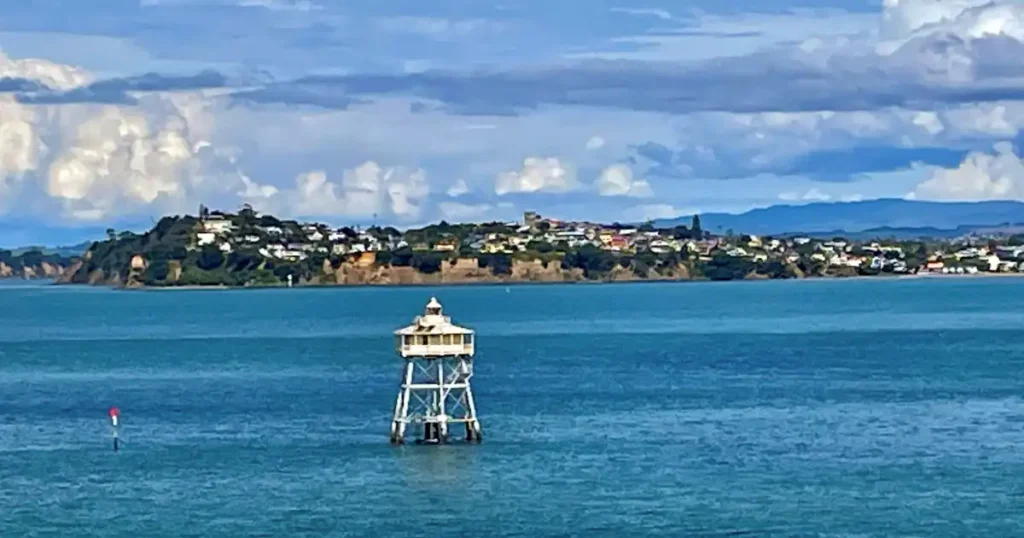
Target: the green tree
(427, 262)
(210, 258)
(500, 264)
(542, 247)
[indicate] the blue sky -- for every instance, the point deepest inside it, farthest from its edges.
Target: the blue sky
(407, 112)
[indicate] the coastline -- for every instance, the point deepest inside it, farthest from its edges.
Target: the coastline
(520, 283)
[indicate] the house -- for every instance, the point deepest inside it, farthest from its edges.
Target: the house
(495, 247)
(217, 225)
(273, 230)
(445, 245)
(1010, 252)
(618, 243)
(206, 238)
(660, 246)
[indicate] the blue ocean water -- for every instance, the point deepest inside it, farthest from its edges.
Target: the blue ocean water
(809, 408)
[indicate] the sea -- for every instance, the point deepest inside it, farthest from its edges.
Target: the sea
(828, 408)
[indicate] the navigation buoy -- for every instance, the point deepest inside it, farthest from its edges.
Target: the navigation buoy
(114, 415)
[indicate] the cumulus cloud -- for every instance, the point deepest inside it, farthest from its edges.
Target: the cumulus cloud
(825, 144)
(91, 162)
(51, 75)
(981, 176)
(366, 190)
(617, 180)
(458, 188)
(537, 175)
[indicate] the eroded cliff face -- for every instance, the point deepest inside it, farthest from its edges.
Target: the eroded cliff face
(467, 271)
(461, 271)
(43, 270)
(367, 273)
(72, 274)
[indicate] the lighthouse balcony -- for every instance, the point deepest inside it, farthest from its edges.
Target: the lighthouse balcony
(435, 345)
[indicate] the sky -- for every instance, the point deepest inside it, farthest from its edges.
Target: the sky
(403, 112)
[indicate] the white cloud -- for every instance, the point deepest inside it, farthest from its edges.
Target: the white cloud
(94, 162)
(54, 75)
(458, 188)
(964, 18)
(811, 195)
(981, 176)
(456, 212)
(363, 191)
(654, 212)
(438, 28)
(595, 143)
(617, 180)
(644, 12)
(537, 175)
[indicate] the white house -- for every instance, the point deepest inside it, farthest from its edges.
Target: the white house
(206, 238)
(217, 225)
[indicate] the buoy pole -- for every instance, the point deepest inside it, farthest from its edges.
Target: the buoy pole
(113, 424)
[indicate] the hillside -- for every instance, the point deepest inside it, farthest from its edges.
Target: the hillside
(33, 264)
(246, 249)
(887, 217)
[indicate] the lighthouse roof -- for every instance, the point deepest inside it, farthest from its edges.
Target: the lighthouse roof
(433, 321)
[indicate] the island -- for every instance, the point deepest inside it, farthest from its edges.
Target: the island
(248, 249)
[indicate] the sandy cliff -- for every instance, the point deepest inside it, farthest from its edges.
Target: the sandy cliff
(43, 270)
(459, 271)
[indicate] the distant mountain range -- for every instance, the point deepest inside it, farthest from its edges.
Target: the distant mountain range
(883, 218)
(872, 218)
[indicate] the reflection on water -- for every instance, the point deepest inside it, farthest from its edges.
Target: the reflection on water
(431, 467)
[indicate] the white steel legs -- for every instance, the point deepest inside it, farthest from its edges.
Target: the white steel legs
(436, 393)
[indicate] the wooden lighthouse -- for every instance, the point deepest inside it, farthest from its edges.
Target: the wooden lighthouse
(435, 389)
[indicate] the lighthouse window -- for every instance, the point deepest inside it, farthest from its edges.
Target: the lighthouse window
(446, 339)
(407, 340)
(467, 338)
(421, 340)
(435, 339)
